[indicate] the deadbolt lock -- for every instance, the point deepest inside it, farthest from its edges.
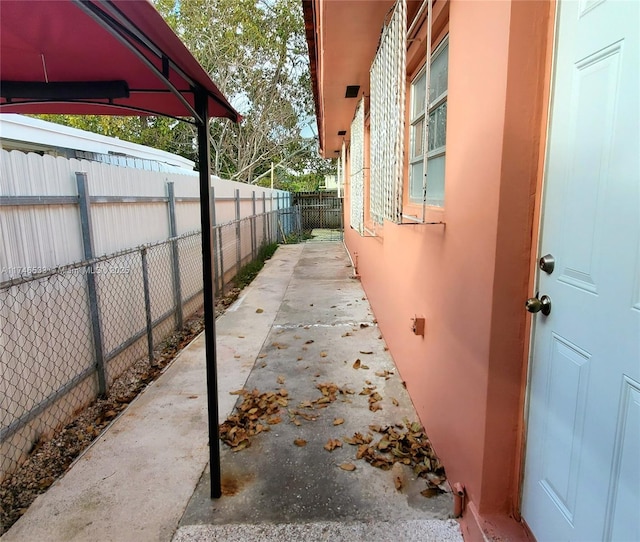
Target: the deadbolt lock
(547, 263)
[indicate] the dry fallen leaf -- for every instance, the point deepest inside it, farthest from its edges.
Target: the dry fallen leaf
(366, 351)
(259, 311)
(338, 421)
(281, 379)
(395, 401)
(308, 417)
(430, 492)
(300, 442)
(398, 482)
(332, 444)
(356, 364)
(323, 354)
(347, 466)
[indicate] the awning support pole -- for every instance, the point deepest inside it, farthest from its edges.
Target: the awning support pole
(201, 100)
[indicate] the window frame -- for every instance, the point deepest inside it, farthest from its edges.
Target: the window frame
(423, 116)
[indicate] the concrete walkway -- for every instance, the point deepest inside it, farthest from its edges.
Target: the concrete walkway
(303, 321)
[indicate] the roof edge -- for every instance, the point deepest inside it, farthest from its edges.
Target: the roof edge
(309, 12)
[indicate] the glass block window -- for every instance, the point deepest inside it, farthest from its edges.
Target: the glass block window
(387, 77)
(357, 169)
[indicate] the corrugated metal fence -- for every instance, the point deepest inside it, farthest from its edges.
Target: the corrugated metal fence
(68, 330)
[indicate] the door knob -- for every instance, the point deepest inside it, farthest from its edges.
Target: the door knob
(543, 305)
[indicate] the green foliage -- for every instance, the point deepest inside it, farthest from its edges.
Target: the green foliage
(255, 51)
(251, 270)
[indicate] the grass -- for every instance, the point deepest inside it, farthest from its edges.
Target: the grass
(251, 270)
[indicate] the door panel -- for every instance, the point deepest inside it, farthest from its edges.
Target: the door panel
(582, 465)
(624, 518)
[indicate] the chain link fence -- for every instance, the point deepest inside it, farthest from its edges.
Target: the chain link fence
(67, 333)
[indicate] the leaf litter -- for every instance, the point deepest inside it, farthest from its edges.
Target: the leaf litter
(253, 416)
(406, 444)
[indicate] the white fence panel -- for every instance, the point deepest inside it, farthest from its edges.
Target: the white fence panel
(44, 236)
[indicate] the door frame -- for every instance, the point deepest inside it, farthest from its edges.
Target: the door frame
(536, 236)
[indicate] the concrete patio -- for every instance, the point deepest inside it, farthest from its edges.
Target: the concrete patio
(304, 321)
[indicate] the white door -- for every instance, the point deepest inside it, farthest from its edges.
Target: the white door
(582, 465)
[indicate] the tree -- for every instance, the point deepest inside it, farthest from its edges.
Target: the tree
(256, 53)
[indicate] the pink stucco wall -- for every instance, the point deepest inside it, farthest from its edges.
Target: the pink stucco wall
(470, 278)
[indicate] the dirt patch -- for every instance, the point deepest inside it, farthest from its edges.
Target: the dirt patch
(233, 484)
(50, 459)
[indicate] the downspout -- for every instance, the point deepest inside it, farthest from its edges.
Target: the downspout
(354, 265)
(458, 499)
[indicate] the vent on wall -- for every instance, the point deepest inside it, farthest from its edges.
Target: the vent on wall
(352, 91)
(342, 132)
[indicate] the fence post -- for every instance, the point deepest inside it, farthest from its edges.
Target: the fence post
(253, 226)
(221, 258)
(264, 218)
(280, 215)
(272, 214)
(147, 303)
(214, 231)
(175, 256)
(238, 240)
(94, 309)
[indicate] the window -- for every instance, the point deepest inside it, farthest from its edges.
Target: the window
(436, 130)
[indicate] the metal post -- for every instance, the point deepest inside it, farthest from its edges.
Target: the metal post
(94, 309)
(147, 303)
(221, 258)
(238, 240)
(276, 216)
(253, 226)
(214, 234)
(272, 213)
(175, 256)
(264, 218)
(201, 105)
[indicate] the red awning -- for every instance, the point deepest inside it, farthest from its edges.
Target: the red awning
(48, 47)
